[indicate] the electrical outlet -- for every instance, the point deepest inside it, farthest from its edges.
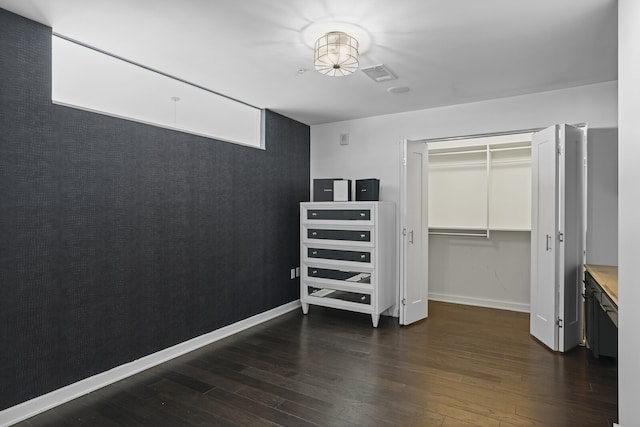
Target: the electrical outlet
(293, 273)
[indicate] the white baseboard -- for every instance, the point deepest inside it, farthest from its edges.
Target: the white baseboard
(57, 397)
(480, 302)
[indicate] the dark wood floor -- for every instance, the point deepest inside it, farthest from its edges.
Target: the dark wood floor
(464, 366)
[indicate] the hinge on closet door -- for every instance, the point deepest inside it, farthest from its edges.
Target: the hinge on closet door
(559, 322)
(404, 161)
(404, 301)
(561, 237)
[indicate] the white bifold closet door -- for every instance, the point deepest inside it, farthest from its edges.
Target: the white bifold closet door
(557, 236)
(414, 287)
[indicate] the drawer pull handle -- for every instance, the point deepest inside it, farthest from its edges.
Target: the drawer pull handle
(314, 253)
(361, 213)
(314, 233)
(363, 256)
(314, 272)
(362, 236)
(606, 308)
(314, 214)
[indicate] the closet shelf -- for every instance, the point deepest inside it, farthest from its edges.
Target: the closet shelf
(452, 153)
(450, 165)
(523, 147)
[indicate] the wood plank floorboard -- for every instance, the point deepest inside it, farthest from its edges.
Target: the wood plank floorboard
(463, 366)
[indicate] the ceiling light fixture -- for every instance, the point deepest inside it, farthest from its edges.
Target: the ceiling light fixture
(336, 54)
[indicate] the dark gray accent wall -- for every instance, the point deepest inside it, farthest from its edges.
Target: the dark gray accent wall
(119, 239)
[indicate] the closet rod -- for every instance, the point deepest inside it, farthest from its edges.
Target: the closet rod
(443, 233)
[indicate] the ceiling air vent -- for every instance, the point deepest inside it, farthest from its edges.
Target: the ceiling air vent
(379, 73)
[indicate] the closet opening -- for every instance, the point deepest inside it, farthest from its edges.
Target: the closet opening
(477, 197)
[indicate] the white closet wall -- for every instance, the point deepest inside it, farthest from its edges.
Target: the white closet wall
(478, 271)
(510, 200)
(458, 186)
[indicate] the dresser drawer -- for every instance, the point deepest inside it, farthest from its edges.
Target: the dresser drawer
(341, 275)
(343, 235)
(339, 214)
(338, 295)
(609, 307)
(340, 255)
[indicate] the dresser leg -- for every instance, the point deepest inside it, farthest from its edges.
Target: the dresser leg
(375, 318)
(305, 308)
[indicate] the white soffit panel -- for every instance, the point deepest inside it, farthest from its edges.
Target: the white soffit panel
(91, 80)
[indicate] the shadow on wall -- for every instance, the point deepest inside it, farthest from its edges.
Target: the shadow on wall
(602, 196)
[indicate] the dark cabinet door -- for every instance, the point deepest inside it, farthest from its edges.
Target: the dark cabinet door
(591, 306)
(607, 334)
(601, 331)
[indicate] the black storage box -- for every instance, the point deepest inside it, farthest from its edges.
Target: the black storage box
(323, 189)
(368, 189)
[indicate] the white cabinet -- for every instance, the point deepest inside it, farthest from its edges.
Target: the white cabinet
(348, 256)
(558, 235)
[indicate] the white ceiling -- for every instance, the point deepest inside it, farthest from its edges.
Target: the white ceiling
(446, 51)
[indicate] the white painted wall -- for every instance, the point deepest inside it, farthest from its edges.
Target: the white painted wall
(629, 207)
(373, 152)
(493, 272)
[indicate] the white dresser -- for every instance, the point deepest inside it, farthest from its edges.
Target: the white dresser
(348, 256)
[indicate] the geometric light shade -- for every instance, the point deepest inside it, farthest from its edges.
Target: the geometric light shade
(336, 54)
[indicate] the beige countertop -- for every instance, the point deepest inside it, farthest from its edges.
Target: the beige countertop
(607, 278)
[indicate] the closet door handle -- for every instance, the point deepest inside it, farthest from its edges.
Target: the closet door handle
(411, 237)
(548, 242)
